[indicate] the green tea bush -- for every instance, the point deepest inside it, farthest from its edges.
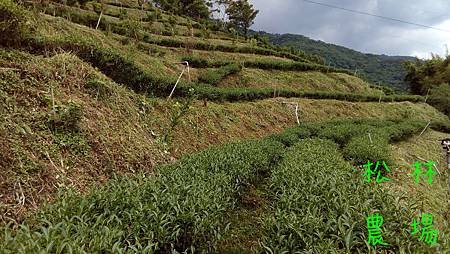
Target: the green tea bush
(180, 209)
(199, 62)
(341, 133)
(86, 18)
(14, 25)
(124, 71)
(360, 150)
(291, 136)
(214, 76)
(320, 205)
(403, 130)
(441, 126)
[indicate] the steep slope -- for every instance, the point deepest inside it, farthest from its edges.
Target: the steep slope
(85, 113)
(379, 69)
(64, 124)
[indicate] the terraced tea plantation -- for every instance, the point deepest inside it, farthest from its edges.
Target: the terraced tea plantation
(97, 159)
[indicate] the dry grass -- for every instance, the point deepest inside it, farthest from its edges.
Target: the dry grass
(306, 81)
(120, 131)
(428, 198)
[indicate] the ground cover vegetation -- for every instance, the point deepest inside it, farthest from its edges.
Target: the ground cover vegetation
(66, 124)
(123, 70)
(182, 206)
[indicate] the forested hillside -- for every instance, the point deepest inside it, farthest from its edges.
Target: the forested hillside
(382, 69)
(431, 78)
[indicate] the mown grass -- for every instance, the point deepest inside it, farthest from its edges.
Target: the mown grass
(305, 80)
(89, 19)
(125, 70)
(214, 76)
(434, 197)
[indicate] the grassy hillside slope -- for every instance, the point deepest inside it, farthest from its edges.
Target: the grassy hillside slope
(96, 158)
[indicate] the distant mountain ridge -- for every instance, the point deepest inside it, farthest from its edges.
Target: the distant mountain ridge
(379, 69)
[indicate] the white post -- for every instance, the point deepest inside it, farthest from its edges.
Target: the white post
(425, 128)
(426, 98)
(99, 18)
(175, 86)
(379, 101)
(189, 74)
(296, 110)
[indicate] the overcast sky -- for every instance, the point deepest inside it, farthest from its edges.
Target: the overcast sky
(359, 32)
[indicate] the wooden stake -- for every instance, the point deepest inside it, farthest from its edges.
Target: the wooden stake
(370, 138)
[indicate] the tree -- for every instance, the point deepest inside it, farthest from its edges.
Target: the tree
(241, 14)
(440, 98)
(193, 8)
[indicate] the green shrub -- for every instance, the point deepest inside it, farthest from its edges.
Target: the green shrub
(133, 28)
(291, 136)
(403, 130)
(341, 133)
(150, 17)
(320, 205)
(441, 126)
(196, 62)
(214, 76)
(182, 208)
(360, 149)
(14, 26)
